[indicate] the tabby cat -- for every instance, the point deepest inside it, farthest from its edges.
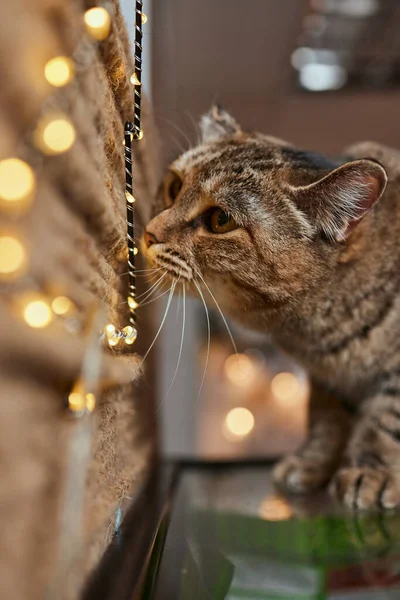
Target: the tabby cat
(307, 248)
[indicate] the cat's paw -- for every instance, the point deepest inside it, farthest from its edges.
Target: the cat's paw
(365, 488)
(299, 475)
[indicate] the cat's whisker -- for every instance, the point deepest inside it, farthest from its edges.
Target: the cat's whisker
(220, 312)
(208, 341)
(152, 288)
(195, 127)
(154, 299)
(180, 349)
(181, 147)
(178, 129)
(144, 273)
(142, 298)
(171, 293)
(152, 270)
(178, 304)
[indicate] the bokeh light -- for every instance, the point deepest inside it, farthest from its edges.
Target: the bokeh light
(240, 369)
(76, 401)
(13, 257)
(238, 423)
(61, 305)
(17, 183)
(36, 311)
(286, 388)
(90, 401)
(59, 71)
(55, 134)
(97, 22)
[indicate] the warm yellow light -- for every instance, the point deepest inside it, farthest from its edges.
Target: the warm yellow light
(129, 197)
(111, 334)
(123, 141)
(144, 18)
(98, 22)
(76, 401)
(90, 401)
(135, 251)
(17, 183)
(134, 79)
(141, 134)
(59, 71)
(55, 134)
(240, 369)
(238, 423)
(130, 333)
(286, 387)
(61, 305)
(12, 257)
(274, 508)
(132, 303)
(37, 312)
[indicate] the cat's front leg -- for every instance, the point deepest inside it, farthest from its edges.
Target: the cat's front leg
(370, 476)
(314, 464)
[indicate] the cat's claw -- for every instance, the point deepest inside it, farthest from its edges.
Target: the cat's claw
(299, 475)
(366, 488)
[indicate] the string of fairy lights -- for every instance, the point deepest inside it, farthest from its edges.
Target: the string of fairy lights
(53, 135)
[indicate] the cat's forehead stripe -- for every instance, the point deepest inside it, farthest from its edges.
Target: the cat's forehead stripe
(196, 156)
(231, 156)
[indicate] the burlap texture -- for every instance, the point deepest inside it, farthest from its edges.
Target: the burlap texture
(75, 232)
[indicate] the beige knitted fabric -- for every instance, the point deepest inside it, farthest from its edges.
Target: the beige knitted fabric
(75, 232)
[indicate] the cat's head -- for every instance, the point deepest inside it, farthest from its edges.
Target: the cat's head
(261, 222)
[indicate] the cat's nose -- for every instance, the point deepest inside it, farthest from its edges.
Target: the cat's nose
(150, 239)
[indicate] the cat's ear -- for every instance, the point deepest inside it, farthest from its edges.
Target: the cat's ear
(339, 201)
(216, 124)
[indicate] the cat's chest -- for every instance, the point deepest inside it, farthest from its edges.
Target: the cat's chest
(349, 361)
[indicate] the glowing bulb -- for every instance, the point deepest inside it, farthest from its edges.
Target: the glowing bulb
(76, 401)
(240, 369)
(130, 333)
(131, 138)
(12, 257)
(129, 197)
(37, 312)
(140, 134)
(59, 71)
(135, 251)
(98, 22)
(55, 134)
(90, 401)
(17, 183)
(135, 79)
(238, 423)
(132, 303)
(144, 18)
(286, 387)
(111, 334)
(61, 305)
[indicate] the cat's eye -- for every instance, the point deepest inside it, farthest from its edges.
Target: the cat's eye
(221, 222)
(173, 188)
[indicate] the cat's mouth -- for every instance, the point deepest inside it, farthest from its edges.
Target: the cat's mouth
(173, 263)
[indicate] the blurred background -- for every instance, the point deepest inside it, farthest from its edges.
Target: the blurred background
(321, 74)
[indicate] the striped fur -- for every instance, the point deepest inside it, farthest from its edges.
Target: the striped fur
(315, 261)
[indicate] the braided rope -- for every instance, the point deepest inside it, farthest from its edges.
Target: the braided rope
(133, 132)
